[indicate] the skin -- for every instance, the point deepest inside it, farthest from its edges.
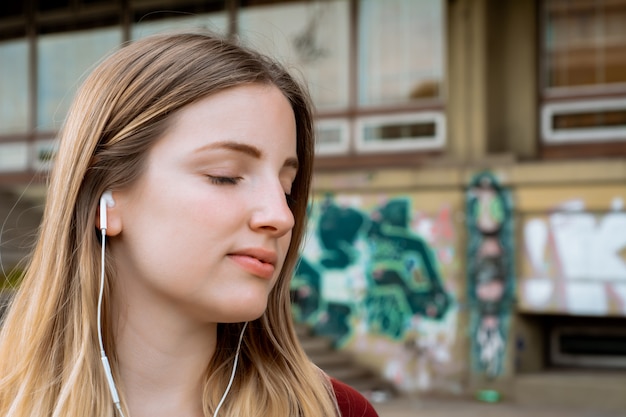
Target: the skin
(199, 239)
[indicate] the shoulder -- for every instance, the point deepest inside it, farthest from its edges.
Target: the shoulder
(351, 402)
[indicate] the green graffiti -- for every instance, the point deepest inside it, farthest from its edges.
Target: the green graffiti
(491, 282)
(387, 312)
(401, 274)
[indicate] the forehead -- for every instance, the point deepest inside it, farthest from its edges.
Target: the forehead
(255, 114)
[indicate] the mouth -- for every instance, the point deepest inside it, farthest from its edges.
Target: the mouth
(256, 261)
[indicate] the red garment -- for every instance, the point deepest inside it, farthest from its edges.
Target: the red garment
(351, 402)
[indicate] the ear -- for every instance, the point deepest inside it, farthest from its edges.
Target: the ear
(107, 215)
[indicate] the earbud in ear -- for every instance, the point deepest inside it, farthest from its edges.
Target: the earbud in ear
(106, 200)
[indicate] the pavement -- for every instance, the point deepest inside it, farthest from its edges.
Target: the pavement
(430, 407)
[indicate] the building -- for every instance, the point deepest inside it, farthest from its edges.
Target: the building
(468, 230)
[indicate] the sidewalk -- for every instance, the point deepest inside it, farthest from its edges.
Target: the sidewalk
(414, 407)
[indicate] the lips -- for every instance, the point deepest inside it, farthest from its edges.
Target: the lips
(256, 261)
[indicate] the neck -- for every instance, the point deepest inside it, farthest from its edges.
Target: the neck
(163, 363)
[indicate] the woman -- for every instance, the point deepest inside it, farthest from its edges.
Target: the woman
(181, 181)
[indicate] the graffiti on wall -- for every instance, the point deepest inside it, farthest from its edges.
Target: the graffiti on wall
(490, 268)
(575, 260)
(371, 279)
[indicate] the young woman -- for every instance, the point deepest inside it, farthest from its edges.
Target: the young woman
(173, 220)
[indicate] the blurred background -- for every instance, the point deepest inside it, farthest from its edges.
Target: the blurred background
(467, 235)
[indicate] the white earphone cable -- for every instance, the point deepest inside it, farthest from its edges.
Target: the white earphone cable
(103, 356)
(232, 375)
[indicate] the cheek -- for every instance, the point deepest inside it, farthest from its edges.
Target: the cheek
(197, 210)
(284, 243)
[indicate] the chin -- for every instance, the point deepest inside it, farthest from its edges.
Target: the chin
(250, 313)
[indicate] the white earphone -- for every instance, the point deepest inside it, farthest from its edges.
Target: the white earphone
(106, 200)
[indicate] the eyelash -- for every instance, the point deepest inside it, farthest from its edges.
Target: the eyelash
(234, 180)
(224, 180)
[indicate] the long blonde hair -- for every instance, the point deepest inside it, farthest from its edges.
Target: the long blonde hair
(49, 356)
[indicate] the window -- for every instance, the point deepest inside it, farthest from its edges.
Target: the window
(585, 43)
(43, 153)
(64, 59)
(332, 136)
(584, 71)
(216, 22)
(399, 132)
(13, 157)
(584, 121)
(312, 37)
(400, 51)
(14, 86)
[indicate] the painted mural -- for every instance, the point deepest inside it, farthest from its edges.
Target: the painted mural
(491, 272)
(575, 260)
(378, 277)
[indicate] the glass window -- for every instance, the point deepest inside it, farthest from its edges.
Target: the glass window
(14, 91)
(313, 37)
(44, 151)
(63, 61)
(13, 157)
(332, 136)
(584, 120)
(584, 42)
(400, 132)
(401, 51)
(216, 22)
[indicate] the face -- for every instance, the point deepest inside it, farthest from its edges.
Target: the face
(204, 232)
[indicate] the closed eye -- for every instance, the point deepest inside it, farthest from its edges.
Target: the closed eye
(224, 180)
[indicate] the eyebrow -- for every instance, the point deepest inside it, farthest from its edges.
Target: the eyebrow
(245, 149)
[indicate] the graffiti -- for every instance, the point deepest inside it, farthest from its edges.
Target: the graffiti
(400, 273)
(337, 230)
(575, 261)
(418, 363)
(402, 262)
(387, 311)
(321, 290)
(371, 276)
(490, 272)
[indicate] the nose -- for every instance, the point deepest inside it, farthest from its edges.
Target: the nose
(271, 212)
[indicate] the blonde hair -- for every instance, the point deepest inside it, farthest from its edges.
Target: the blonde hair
(49, 356)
